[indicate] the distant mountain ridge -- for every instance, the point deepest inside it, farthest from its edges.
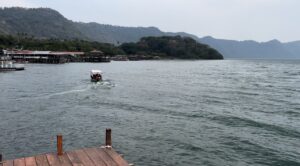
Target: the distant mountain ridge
(48, 23)
(252, 49)
(115, 34)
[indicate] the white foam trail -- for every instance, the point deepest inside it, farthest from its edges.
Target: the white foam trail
(106, 84)
(67, 92)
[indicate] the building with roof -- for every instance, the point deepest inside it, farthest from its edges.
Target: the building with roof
(43, 56)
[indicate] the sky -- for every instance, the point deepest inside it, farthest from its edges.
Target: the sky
(260, 20)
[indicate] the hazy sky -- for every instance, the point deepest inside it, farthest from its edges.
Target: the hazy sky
(260, 20)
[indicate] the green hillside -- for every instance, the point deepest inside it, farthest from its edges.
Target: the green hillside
(171, 47)
(37, 22)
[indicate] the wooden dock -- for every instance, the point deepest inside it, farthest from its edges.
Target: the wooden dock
(83, 157)
(99, 156)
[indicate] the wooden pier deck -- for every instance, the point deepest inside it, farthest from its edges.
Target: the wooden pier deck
(98, 156)
(82, 157)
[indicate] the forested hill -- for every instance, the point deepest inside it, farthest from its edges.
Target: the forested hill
(116, 34)
(39, 22)
(165, 47)
(171, 47)
(45, 23)
(48, 23)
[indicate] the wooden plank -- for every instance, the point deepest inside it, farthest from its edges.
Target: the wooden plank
(8, 163)
(93, 155)
(41, 160)
(53, 159)
(84, 158)
(106, 158)
(116, 157)
(64, 160)
(19, 162)
(73, 157)
(30, 161)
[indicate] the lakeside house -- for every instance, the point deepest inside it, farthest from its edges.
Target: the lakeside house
(56, 57)
(120, 58)
(42, 56)
(96, 56)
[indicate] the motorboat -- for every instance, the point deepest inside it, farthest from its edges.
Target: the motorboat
(96, 75)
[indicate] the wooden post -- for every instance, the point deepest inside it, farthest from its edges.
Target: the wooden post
(108, 137)
(59, 145)
(0, 158)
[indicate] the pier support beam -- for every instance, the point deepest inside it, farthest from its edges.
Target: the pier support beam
(59, 145)
(108, 141)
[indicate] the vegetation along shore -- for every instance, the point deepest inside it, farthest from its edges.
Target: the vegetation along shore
(165, 47)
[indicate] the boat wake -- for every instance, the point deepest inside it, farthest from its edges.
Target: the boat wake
(67, 92)
(106, 84)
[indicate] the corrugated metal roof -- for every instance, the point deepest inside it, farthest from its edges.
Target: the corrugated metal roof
(28, 52)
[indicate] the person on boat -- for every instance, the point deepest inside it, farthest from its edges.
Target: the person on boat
(96, 77)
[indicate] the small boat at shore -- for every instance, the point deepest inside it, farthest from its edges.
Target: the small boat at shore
(6, 64)
(96, 75)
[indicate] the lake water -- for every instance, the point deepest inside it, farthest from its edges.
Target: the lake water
(187, 113)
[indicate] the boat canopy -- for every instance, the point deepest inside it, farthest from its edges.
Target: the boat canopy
(93, 72)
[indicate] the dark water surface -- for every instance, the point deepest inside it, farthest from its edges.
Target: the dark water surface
(231, 112)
